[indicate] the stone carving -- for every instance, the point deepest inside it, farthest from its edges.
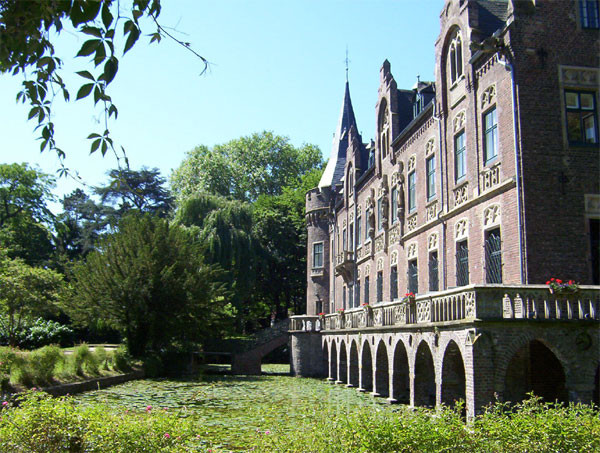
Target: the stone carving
(592, 204)
(400, 314)
(460, 195)
(491, 216)
(518, 307)
(412, 163)
(411, 223)
(394, 258)
(431, 212)
(459, 121)
(367, 269)
(379, 243)
(470, 305)
(394, 234)
(423, 311)
(379, 264)
(490, 177)
(412, 251)
(461, 229)
(488, 96)
(580, 76)
(378, 316)
(430, 147)
(371, 212)
(432, 242)
(507, 310)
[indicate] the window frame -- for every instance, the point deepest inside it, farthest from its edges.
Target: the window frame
(379, 286)
(394, 283)
(394, 205)
(322, 255)
(584, 10)
(412, 280)
(432, 271)
(380, 214)
(358, 231)
(462, 262)
(455, 56)
(493, 129)
(581, 111)
(412, 191)
(462, 151)
(430, 177)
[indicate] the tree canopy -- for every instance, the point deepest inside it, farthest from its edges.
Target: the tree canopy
(245, 168)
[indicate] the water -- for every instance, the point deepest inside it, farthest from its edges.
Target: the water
(232, 410)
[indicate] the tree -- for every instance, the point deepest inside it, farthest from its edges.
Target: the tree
(24, 215)
(142, 190)
(225, 228)
(245, 168)
(149, 281)
(25, 292)
(27, 31)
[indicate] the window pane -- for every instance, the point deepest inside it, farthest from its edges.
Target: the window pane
(433, 272)
(358, 230)
(379, 214)
(589, 124)
(394, 205)
(460, 163)
(587, 101)
(462, 263)
(574, 127)
(572, 100)
(412, 194)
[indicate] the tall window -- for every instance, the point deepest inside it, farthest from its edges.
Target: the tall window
(394, 215)
(582, 117)
(358, 230)
(344, 297)
(462, 263)
(589, 13)
(430, 164)
(380, 214)
(434, 283)
(413, 277)
(394, 283)
(379, 286)
(412, 192)
(493, 257)
(344, 240)
(350, 181)
(367, 214)
(351, 241)
(367, 289)
(460, 162)
(350, 296)
(456, 66)
(490, 145)
(357, 294)
(318, 254)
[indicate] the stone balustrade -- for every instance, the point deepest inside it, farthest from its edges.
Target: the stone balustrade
(467, 303)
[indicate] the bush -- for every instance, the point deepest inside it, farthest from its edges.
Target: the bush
(54, 425)
(40, 332)
(153, 366)
(101, 357)
(43, 363)
(122, 359)
(83, 361)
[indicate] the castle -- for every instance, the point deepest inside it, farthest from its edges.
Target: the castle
(429, 247)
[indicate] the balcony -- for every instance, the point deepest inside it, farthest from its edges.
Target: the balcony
(344, 265)
(474, 303)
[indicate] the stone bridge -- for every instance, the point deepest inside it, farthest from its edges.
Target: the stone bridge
(248, 360)
(475, 343)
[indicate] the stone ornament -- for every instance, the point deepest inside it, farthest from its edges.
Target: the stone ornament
(432, 242)
(488, 96)
(459, 121)
(431, 212)
(461, 229)
(461, 194)
(491, 216)
(575, 76)
(379, 264)
(412, 250)
(411, 223)
(412, 162)
(394, 258)
(378, 317)
(368, 269)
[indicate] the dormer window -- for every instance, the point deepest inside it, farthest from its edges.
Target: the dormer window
(455, 56)
(418, 105)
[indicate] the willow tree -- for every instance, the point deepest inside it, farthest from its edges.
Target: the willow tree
(225, 229)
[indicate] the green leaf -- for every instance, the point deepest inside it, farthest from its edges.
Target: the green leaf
(94, 135)
(100, 55)
(134, 34)
(107, 17)
(89, 47)
(86, 75)
(85, 90)
(110, 69)
(95, 145)
(155, 37)
(92, 31)
(137, 14)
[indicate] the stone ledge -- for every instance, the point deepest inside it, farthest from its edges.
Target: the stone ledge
(92, 384)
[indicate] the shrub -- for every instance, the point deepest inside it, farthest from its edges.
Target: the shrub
(122, 359)
(83, 361)
(7, 357)
(20, 371)
(37, 333)
(43, 363)
(101, 356)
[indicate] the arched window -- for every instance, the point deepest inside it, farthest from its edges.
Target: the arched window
(384, 130)
(455, 57)
(350, 180)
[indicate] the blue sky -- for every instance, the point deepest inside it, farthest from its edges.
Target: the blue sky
(275, 65)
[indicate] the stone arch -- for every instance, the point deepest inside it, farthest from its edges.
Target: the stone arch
(353, 368)
(343, 364)
(453, 375)
(401, 374)
(424, 380)
(366, 367)
(452, 30)
(333, 361)
(325, 359)
(382, 371)
(534, 367)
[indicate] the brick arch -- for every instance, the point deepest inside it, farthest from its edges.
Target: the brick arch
(401, 372)
(424, 375)
(535, 367)
(343, 363)
(366, 366)
(333, 360)
(382, 370)
(453, 382)
(353, 364)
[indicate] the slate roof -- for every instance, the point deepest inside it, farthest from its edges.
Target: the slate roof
(334, 171)
(492, 15)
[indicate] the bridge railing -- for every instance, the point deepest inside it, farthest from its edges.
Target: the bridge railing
(467, 303)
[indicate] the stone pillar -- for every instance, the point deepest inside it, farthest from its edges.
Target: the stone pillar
(306, 354)
(392, 398)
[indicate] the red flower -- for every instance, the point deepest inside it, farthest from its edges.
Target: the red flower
(321, 314)
(548, 282)
(559, 281)
(552, 279)
(571, 282)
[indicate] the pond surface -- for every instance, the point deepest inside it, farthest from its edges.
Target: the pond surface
(232, 409)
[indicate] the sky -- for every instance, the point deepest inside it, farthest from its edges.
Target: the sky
(274, 65)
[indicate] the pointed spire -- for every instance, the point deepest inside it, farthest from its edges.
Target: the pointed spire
(337, 159)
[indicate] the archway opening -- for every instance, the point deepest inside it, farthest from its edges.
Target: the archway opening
(424, 377)
(382, 371)
(401, 382)
(324, 372)
(453, 375)
(343, 367)
(366, 369)
(535, 368)
(333, 361)
(353, 371)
